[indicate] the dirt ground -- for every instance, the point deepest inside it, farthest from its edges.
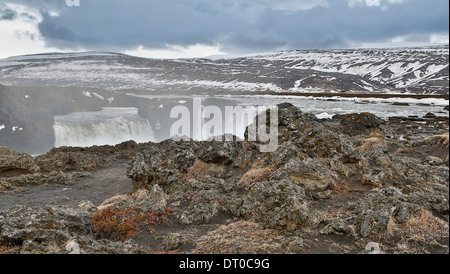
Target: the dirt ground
(103, 184)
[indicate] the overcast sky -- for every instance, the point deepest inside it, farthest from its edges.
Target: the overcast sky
(199, 28)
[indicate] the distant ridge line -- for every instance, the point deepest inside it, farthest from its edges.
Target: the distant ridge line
(362, 95)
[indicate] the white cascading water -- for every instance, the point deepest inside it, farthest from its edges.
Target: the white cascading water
(110, 126)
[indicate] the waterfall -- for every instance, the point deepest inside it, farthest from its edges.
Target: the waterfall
(110, 126)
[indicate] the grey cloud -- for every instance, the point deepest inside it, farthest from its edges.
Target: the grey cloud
(28, 17)
(41, 4)
(337, 25)
(7, 13)
(239, 26)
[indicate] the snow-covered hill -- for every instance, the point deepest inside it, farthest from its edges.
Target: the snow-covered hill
(412, 70)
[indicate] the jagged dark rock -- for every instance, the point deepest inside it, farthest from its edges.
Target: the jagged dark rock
(55, 230)
(12, 161)
(358, 123)
(341, 178)
(53, 177)
(430, 115)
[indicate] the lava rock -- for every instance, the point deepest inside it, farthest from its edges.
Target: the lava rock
(13, 161)
(358, 123)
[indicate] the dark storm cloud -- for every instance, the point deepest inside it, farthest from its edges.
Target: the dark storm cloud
(7, 14)
(125, 24)
(238, 26)
(338, 25)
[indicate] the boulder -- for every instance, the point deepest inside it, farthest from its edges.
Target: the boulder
(44, 230)
(308, 174)
(323, 195)
(173, 241)
(336, 226)
(161, 164)
(54, 177)
(313, 138)
(281, 204)
(13, 161)
(430, 115)
(215, 152)
(156, 199)
(57, 160)
(203, 208)
(358, 123)
(377, 210)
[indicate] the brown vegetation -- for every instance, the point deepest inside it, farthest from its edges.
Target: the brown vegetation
(122, 224)
(240, 238)
(197, 171)
(439, 140)
(422, 231)
(257, 173)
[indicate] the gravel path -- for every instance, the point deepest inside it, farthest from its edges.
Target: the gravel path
(100, 186)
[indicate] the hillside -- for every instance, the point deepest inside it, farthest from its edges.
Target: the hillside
(402, 70)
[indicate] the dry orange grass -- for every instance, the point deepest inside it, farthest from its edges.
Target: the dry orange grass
(240, 238)
(419, 232)
(257, 173)
(371, 143)
(439, 140)
(425, 224)
(341, 187)
(3, 250)
(198, 170)
(123, 224)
